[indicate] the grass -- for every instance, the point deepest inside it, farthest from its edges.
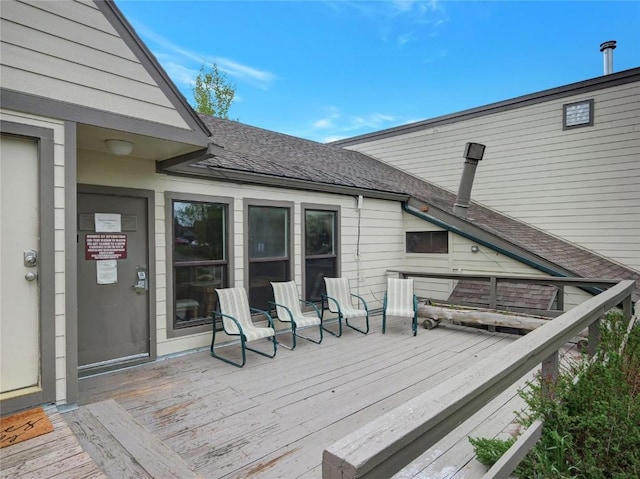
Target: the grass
(592, 425)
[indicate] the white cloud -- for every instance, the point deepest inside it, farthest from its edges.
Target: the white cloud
(181, 61)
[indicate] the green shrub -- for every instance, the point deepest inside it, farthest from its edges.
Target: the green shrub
(591, 426)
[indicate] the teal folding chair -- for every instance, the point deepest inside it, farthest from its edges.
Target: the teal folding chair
(287, 305)
(399, 301)
(235, 315)
(339, 300)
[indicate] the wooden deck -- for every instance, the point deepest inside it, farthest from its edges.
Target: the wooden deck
(274, 417)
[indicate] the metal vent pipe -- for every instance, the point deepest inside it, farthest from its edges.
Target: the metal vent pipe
(607, 50)
(473, 153)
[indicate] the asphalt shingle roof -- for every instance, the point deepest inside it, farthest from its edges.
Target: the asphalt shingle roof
(252, 149)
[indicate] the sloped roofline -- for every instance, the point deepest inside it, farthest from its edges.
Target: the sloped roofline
(117, 19)
(598, 83)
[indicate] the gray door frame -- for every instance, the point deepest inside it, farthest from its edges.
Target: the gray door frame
(46, 271)
(149, 196)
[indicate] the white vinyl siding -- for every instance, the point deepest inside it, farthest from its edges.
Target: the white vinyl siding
(68, 51)
(364, 261)
(581, 184)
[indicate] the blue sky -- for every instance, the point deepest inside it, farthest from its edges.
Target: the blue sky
(325, 70)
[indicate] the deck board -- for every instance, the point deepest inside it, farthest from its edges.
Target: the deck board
(274, 417)
(57, 454)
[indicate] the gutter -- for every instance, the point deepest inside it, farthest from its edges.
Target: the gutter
(454, 229)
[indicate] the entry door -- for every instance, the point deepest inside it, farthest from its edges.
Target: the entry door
(113, 297)
(19, 245)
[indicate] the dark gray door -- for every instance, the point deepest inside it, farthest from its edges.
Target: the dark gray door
(113, 299)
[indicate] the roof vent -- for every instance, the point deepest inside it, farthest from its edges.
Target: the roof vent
(473, 153)
(607, 50)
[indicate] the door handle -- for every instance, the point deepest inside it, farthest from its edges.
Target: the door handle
(31, 276)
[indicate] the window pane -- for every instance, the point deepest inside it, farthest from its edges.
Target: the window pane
(317, 270)
(260, 276)
(319, 232)
(199, 231)
(268, 232)
(427, 242)
(195, 291)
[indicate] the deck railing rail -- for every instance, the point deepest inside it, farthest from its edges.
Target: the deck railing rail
(384, 446)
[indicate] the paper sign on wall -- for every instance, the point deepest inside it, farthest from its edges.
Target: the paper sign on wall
(107, 271)
(108, 223)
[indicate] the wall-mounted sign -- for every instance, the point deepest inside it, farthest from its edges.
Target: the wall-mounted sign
(105, 246)
(108, 223)
(107, 271)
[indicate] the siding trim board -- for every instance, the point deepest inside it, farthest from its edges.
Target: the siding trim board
(598, 83)
(37, 105)
(245, 177)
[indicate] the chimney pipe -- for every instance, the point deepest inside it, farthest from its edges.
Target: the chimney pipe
(607, 49)
(473, 152)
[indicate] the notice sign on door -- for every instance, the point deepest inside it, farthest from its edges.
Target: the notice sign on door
(105, 246)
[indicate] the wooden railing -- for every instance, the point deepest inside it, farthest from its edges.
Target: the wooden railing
(389, 443)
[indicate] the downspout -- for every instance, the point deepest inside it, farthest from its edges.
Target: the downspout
(494, 247)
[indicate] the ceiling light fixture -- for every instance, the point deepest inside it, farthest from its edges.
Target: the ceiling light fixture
(119, 147)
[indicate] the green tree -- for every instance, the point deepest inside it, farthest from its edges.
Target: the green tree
(212, 92)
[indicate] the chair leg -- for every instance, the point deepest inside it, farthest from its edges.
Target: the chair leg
(414, 324)
(366, 331)
(339, 333)
(266, 355)
(293, 339)
(384, 321)
(229, 361)
(318, 341)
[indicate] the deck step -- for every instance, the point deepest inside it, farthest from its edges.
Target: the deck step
(123, 447)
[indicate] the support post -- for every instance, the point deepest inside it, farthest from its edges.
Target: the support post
(549, 375)
(493, 292)
(560, 298)
(594, 337)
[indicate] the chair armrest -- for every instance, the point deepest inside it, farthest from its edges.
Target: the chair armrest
(283, 307)
(269, 318)
(222, 315)
(313, 305)
(361, 299)
(327, 297)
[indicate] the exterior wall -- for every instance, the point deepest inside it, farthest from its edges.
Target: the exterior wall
(365, 255)
(462, 260)
(59, 238)
(102, 72)
(579, 184)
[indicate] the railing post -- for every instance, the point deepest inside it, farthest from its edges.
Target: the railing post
(493, 292)
(560, 297)
(594, 337)
(626, 308)
(549, 375)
